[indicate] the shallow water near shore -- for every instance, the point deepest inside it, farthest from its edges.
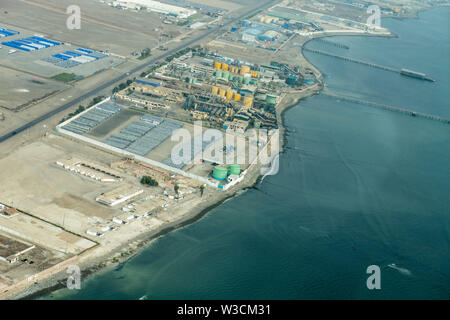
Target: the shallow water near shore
(357, 186)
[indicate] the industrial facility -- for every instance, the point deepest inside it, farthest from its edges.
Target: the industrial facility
(154, 6)
(91, 170)
(119, 195)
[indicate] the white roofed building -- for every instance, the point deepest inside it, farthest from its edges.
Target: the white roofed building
(159, 7)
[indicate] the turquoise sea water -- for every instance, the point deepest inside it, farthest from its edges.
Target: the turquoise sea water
(357, 186)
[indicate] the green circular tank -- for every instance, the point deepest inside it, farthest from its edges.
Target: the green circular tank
(219, 74)
(226, 75)
(241, 79)
(231, 78)
(271, 99)
(220, 173)
(235, 169)
(247, 80)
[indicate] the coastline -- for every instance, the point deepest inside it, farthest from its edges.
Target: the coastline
(122, 253)
(134, 246)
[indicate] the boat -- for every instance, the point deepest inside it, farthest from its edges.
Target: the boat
(416, 75)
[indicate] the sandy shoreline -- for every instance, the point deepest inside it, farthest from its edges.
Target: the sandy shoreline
(94, 263)
(125, 251)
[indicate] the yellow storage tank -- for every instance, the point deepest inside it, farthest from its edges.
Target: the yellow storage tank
(224, 67)
(244, 70)
(217, 65)
(254, 74)
(222, 92)
(248, 102)
(237, 97)
(230, 95)
(215, 90)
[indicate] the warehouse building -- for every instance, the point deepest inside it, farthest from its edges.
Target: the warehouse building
(119, 195)
(157, 6)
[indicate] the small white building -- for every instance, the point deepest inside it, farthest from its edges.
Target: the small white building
(248, 37)
(118, 221)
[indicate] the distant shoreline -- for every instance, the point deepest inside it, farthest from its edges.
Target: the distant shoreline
(132, 247)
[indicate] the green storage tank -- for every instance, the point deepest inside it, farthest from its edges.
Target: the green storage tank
(235, 169)
(241, 79)
(220, 173)
(247, 80)
(226, 75)
(219, 74)
(231, 77)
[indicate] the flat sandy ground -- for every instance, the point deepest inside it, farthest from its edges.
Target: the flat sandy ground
(102, 27)
(51, 193)
(37, 185)
(19, 88)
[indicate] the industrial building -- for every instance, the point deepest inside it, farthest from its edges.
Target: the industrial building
(4, 32)
(31, 43)
(11, 249)
(119, 195)
(73, 58)
(7, 212)
(91, 118)
(91, 170)
(155, 6)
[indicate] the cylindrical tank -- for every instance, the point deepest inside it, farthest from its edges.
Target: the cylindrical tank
(247, 80)
(271, 99)
(222, 92)
(220, 173)
(241, 79)
(224, 66)
(234, 169)
(226, 75)
(244, 70)
(237, 97)
(231, 77)
(229, 94)
(248, 102)
(215, 90)
(219, 74)
(217, 65)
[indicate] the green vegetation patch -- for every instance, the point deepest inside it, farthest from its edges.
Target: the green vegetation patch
(149, 181)
(66, 77)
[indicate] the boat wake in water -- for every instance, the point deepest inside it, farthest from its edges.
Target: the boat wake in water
(403, 271)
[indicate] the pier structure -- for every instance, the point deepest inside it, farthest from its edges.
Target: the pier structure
(336, 44)
(370, 64)
(386, 107)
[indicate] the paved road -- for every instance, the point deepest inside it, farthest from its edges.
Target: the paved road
(128, 74)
